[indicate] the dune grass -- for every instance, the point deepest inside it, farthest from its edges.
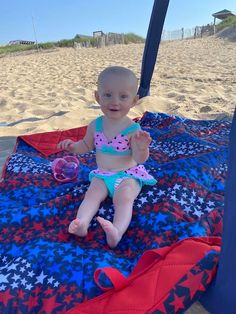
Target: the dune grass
(228, 22)
(128, 38)
(133, 38)
(20, 48)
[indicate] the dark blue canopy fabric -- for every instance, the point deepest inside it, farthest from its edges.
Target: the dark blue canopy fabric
(220, 298)
(152, 44)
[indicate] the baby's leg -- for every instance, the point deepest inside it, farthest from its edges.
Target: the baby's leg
(123, 200)
(95, 194)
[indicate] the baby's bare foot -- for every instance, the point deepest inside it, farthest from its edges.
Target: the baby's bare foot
(78, 227)
(112, 233)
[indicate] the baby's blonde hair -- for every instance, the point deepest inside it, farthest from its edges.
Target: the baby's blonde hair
(117, 70)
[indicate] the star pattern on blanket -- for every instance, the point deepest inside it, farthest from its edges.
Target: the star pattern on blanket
(20, 273)
(195, 282)
(43, 268)
(20, 163)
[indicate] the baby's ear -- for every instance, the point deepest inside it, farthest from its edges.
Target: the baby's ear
(136, 98)
(96, 95)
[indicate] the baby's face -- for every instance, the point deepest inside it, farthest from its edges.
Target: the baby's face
(116, 95)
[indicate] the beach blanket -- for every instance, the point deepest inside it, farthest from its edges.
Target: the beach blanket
(44, 269)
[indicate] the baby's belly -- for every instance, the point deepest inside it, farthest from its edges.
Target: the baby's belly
(114, 163)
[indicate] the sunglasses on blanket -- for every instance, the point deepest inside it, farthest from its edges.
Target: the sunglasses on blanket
(65, 169)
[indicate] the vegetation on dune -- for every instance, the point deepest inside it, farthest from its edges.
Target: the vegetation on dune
(228, 22)
(70, 42)
(83, 39)
(20, 48)
(15, 48)
(128, 38)
(133, 38)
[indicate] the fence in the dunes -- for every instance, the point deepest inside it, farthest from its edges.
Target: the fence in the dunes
(102, 40)
(195, 32)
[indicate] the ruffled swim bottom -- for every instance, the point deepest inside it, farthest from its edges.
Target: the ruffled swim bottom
(113, 179)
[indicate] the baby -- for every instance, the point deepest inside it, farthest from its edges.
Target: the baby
(121, 148)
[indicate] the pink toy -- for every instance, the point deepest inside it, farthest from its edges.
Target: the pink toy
(65, 169)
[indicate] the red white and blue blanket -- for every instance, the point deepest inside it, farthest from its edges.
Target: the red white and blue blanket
(44, 269)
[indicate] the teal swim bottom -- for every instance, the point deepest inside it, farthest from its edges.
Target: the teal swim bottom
(113, 179)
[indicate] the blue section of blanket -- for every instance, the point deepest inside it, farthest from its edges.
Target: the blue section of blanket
(44, 268)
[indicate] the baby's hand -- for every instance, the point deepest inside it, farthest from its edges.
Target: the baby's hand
(66, 145)
(142, 139)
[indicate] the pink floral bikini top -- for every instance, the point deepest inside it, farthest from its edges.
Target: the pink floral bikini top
(119, 145)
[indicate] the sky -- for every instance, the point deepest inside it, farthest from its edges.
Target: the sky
(53, 20)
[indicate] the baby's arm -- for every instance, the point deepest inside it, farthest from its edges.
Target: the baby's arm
(140, 142)
(82, 146)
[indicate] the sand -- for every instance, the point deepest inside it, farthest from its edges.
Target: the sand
(55, 90)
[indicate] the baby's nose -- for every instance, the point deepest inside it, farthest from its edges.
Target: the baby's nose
(115, 100)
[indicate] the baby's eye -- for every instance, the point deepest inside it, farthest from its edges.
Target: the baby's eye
(107, 95)
(124, 96)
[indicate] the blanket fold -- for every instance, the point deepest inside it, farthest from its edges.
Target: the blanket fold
(149, 286)
(46, 143)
